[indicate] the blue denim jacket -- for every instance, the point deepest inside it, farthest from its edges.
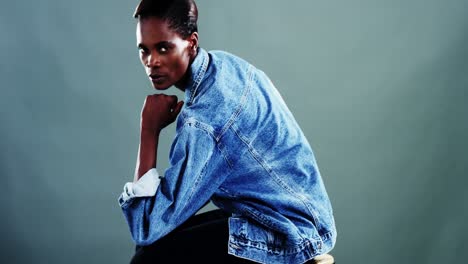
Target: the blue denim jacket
(237, 144)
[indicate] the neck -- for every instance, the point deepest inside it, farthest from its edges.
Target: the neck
(182, 83)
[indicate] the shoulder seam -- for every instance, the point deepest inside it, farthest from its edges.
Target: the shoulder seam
(241, 104)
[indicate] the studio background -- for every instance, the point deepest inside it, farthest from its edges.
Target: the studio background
(378, 87)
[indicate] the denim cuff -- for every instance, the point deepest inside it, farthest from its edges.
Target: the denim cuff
(146, 186)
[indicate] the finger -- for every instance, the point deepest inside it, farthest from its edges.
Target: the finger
(177, 109)
(173, 100)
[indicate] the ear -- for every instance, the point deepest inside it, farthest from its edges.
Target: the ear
(193, 39)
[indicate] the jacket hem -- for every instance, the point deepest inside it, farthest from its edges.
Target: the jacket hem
(262, 253)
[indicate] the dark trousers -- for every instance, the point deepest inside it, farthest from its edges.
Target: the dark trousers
(202, 238)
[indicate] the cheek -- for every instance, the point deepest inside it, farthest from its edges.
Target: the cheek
(179, 65)
(142, 59)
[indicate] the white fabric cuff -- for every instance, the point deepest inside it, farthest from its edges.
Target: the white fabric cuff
(146, 186)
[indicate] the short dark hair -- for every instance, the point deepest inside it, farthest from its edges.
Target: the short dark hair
(182, 15)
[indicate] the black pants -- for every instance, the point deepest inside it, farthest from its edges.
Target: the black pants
(202, 238)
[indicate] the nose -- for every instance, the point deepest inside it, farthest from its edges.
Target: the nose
(153, 60)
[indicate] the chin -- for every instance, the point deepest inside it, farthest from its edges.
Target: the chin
(161, 87)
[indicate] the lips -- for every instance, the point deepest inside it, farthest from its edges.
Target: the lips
(156, 78)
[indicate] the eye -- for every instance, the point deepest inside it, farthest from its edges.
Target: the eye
(163, 49)
(142, 50)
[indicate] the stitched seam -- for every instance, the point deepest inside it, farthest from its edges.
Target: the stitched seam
(205, 127)
(199, 77)
(197, 180)
(202, 127)
(241, 104)
(208, 129)
(273, 175)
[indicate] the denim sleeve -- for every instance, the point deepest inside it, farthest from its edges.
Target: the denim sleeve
(160, 204)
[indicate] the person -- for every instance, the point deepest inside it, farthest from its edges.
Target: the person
(236, 144)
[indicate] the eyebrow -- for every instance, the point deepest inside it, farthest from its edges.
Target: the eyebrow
(167, 43)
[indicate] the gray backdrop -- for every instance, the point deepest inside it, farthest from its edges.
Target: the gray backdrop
(379, 88)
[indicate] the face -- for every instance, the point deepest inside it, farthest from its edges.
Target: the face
(165, 55)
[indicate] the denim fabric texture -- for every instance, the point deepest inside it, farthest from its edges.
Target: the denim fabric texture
(238, 144)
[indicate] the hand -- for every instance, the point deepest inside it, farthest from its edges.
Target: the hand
(159, 110)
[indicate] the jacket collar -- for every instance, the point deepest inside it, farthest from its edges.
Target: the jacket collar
(197, 71)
